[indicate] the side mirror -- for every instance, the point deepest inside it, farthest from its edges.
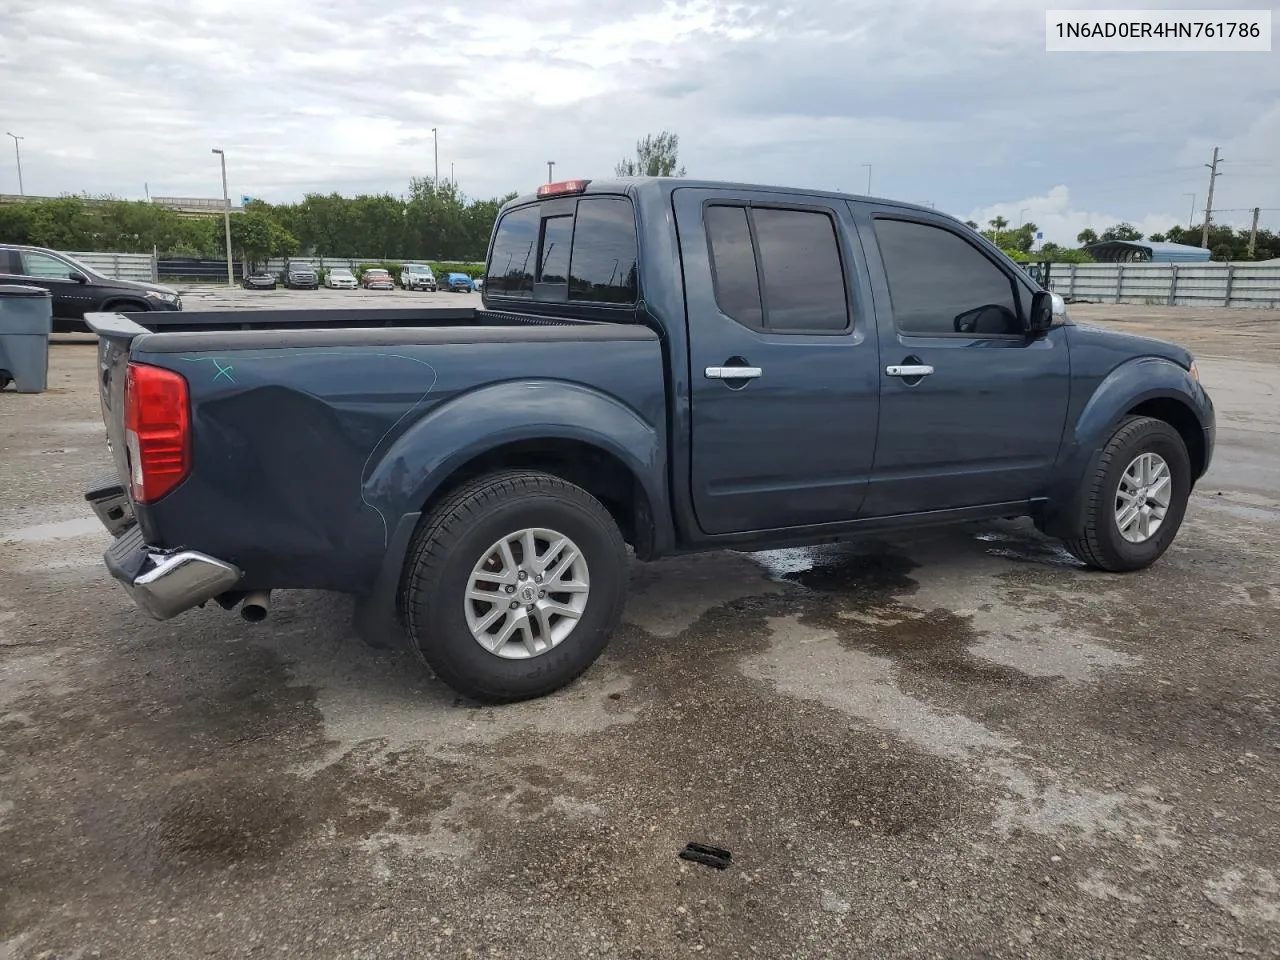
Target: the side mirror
(1040, 316)
(1059, 305)
(77, 276)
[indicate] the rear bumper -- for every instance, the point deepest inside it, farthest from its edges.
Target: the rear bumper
(163, 584)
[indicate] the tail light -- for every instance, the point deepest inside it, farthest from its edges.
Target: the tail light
(157, 423)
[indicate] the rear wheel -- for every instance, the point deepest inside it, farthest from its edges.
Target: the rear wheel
(514, 586)
(1136, 498)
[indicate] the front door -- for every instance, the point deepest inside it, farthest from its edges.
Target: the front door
(972, 411)
(71, 298)
(783, 361)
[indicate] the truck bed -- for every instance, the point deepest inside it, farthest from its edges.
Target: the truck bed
(313, 433)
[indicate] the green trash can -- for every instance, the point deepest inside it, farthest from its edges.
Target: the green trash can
(26, 320)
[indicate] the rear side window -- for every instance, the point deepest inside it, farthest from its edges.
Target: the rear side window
(940, 284)
(588, 255)
(778, 269)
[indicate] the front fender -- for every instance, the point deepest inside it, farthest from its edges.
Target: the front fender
(469, 425)
(1125, 388)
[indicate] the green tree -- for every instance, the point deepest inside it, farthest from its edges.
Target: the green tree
(251, 237)
(1158, 238)
(1121, 231)
(656, 156)
(971, 224)
(1086, 237)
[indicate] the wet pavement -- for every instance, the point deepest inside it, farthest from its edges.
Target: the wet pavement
(956, 744)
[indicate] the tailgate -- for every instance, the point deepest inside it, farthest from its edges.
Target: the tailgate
(115, 336)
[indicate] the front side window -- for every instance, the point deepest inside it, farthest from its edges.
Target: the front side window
(46, 267)
(777, 269)
(940, 284)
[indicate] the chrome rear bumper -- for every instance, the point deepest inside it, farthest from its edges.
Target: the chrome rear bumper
(165, 583)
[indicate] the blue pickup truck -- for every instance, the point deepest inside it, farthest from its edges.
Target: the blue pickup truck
(661, 364)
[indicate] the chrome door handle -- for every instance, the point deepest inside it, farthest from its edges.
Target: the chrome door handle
(909, 370)
(732, 373)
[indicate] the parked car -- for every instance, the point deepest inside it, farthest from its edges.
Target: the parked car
(377, 279)
(259, 281)
(78, 289)
(457, 283)
(340, 278)
(478, 284)
(300, 275)
(417, 276)
(791, 367)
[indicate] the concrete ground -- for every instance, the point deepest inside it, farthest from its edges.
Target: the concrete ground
(955, 745)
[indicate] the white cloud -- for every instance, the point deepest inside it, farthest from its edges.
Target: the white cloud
(957, 104)
(1060, 223)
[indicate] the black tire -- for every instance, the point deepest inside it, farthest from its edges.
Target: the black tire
(454, 538)
(127, 306)
(1100, 544)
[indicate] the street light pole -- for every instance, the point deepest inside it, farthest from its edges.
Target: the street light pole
(550, 164)
(1020, 213)
(1191, 217)
(435, 136)
(868, 166)
(18, 156)
(226, 217)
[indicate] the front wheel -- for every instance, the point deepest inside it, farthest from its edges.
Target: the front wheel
(1136, 497)
(514, 585)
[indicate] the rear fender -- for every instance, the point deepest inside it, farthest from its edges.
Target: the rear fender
(458, 431)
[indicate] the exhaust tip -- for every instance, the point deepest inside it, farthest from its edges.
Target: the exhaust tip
(256, 606)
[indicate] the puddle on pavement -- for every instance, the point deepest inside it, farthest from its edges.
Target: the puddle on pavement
(1026, 548)
(62, 530)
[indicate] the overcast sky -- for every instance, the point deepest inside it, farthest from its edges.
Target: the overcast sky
(955, 103)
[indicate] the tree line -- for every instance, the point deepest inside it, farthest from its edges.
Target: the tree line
(1225, 243)
(432, 222)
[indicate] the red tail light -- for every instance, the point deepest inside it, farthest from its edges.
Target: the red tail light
(157, 423)
(562, 187)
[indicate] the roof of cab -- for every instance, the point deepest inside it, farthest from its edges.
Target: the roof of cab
(638, 185)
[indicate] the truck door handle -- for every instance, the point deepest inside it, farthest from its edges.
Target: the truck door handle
(909, 370)
(732, 373)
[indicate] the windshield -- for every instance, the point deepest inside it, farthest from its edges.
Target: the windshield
(340, 273)
(414, 268)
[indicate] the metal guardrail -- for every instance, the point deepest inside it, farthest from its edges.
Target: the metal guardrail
(1171, 284)
(122, 266)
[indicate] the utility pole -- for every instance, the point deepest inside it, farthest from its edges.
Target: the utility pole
(550, 165)
(226, 217)
(1191, 217)
(435, 136)
(868, 166)
(1253, 232)
(1208, 204)
(453, 179)
(18, 156)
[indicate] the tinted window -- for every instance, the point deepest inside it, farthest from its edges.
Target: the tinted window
(734, 264)
(557, 235)
(940, 284)
(514, 254)
(803, 277)
(603, 267)
(43, 265)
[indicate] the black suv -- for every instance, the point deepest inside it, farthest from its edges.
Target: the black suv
(78, 289)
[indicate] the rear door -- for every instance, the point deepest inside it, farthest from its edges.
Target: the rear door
(971, 410)
(784, 362)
